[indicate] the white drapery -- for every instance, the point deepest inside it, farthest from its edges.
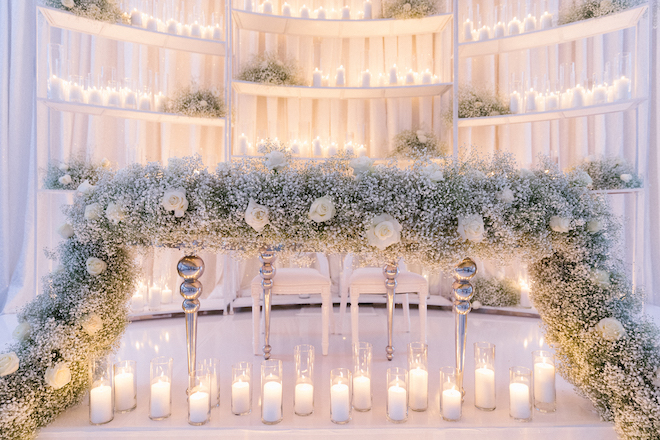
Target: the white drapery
(124, 141)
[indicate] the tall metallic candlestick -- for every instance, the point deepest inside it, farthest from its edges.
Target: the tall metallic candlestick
(391, 271)
(190, 268)
(267, 272)
(463, 293)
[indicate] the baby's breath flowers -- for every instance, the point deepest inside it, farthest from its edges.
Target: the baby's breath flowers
(477, 102)
(102, 10)
(70, 175)
(405, 9)
(586, 9)
(197, 102)
(269, 69)
(416, 144)
(608, 173)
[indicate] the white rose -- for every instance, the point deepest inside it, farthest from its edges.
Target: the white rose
(68, 3)
(114, 213)
(594, 226)
(93, 211)
(95, 266)
(656, 379)
(59, 268)
(471, 227)
(506, 196)
(581, 178)
(63, 167)
(105, 163)
(407, 7)
(610, 329)
(525, 173)
(626, 177)
(433, 172)
(361, 164)
(256, 215)
(58, 375)
(384, 231)
(91, 323)
(560, 224)
(86, 188)
(422, 136)
(477, 174)
(65, 179)
(275, 160)
(203, 103)
(476, 305)
(601, 277)
(8, 363)
(322, 210)
(22, 331)
(65, 231)
(175, 200)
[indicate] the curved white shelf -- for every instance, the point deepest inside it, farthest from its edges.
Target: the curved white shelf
(551, 115)
(116, 112)
(250, 88)
(279, 24)
(121, 32)
(556, 35)
(618, 191)
(56, 192)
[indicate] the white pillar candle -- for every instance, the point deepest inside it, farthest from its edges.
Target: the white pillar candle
(622, 88)
(196, 30)
(551, 101)
(185, 30)
(304, 12)
(267, 7)
(199, 406)
(95, 97)
(332, 150)
(317, 78)
(340, 402)
(320, 13)
(76, 93)
(124, 391)
(345, 13)
(410, 77)
(361, 151)
(419, 388)
(172, 27)
(498, 30)
(295, 146)
(130, 99)
(217, 33)
(154, 297)
(286, 9)
(394, 76)
(240, 397)
(451, 404)
(152, 24)
(467, 30)
(546, 20)
(566, 99)
(325, 80)
(55, 88)
(272, 402)
(215, 394)
(243, 145)
(530, 98)
(515, 103)
(136, 18)
(160, 399)
(514, 27)
(340, 79)
(304, 398)
(100, 402)
(114, 98)
(166, 296)
(367, 10)
(544, 382)
(540, 102)
(366, 78)
(427, 77)
(530, 23)
(599, 94)
(519, 401)
(159, 101)
(361, 387)
(145, 102)
(484, 33)
(396, 402)
(317, 150)
(137, 302)
(484, 388)
(578, 99)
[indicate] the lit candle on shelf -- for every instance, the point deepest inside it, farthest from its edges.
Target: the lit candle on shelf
(361, 151)
(124, 391)
(185, 30)
(451, 404)
(427, 78)
(544, 382)
(467, 30)
(55, 88)
(332, 149)
(340, 402)
(325, 81)
(530, 98)
(361, 384)
(199, 405)
(267, 7)
(304, 12)
(367, 10)
(304, 398)
(514, 26)
(136, 18)
(159, 102)
(130, 98)
(295, 146)
(240, 397)
(484, 388)
(94, 96)
(345, 13)
(76, 92)
(286, 9)
(530, 23)
(394, 76)
(320, 13)
(172, 27)
(396, 401)
(317, 78)
(217, 33)
(100, 404)
(366, 78)
(272, 402)
(137, 302)
(519, 401)
(152, 24)
(196, 30)
(340, 79)
(515, 102)
(578, 99)
(551, 101)
(410, 77)
(540, 102)
(242, 145)
(160, 399)
(419, 386)
(484, 33)
(145, 102)
(546, 20)
(317, 149)
(154, 298)
(599, 95)
(498, 30)
(114, 98)
(166, 295)
(622, 88)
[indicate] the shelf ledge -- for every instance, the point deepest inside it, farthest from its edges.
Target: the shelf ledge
(555, 35)
(121, 32)
(279, 24)
(618, 191)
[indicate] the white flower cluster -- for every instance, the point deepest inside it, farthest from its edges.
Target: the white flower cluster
(430, 213)
(607, 173)
(102, 10)
(416, 144)
(586, 9)
(477, 102)
(269, 69)
(70, 175)
(404, 9)
(197, 102)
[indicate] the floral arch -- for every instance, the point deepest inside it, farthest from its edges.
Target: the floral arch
(433, 213)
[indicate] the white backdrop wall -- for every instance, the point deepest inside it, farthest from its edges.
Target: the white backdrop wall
(124, 141)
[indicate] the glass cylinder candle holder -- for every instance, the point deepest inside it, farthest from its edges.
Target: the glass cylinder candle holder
(76, 89)
(623, 80)
(397, 395)
(271, 391)
(520, 395)
(56, 72)
(125, 386)
(340, 396)
(241, 388)
(545, 394)
(155, 295)
(212, 365)
(199, 397)
(451, 397)
(303, 399)
(160, 380)
(362, 356)
(484, 376)
(418, 376)
(101, 404)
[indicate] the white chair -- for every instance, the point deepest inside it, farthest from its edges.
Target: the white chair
(370, 280)
(295, 281)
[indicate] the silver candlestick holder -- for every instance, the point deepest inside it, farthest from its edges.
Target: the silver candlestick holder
(391, 271)
(267, 272)
(463, 293)
(190, 268)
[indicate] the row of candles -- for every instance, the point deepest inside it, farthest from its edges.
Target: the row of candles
(318, 147)
(151, 296)
(320, 13)
(114, 387)
(393, 78)
(506, 22)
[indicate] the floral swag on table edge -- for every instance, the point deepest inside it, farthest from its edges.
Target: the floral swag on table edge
(433, 213)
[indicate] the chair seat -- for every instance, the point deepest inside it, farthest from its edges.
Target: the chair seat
(373, 279)
(292, 280)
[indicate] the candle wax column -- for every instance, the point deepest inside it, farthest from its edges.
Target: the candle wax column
(286, 10)
(366, 78)
(304, 12)
(367, 10)
(271, 405)
(124, 391)
(396, 403)
(394, 75)
(199, 405)
(240, 397)
(530, 23)
(519, 407)
(514, 26)
(152, 24)
(345, 13)
(467, 30)
(484, 33)
(100, 404)
(242, 145)
(166, 296)
(451, 404)
(544, 382)
(498, 30)
(317, 78)
(55, 88)
(362, 393)
(340, 79)
(340, 403)
(160, 400)
(622, 88)
(515, 103)
(419, 386)
(304, 399)
(172, 27)
(546, 20)
(136, 18)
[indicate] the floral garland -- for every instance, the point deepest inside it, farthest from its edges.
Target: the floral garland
(198, 103)
(416, 144)
(477, 102)
(608, 173)
(430, 213)
(406, 9)
(71, 175)
(267, 68)
(593, 9)
(494, 292)
(102, 10)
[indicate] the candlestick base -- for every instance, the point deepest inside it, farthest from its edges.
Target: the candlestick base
(267, 272)
(391, 271)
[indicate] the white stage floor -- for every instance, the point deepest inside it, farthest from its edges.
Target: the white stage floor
(229, 339)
